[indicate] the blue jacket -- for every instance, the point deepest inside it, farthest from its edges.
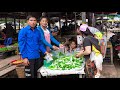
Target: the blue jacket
(30, 43)
(51, 38)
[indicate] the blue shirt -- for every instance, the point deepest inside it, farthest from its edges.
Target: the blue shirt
(30, 43)
(51, 38)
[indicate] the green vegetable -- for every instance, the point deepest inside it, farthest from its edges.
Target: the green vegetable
(63, 62)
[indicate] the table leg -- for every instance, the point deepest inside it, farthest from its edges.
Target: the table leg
(111, 55)
(38, 75)
(80, 75)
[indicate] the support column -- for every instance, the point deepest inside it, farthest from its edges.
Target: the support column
(83, 17)
(19, 23)
(15, 23)
(91, 21)
(6, 21)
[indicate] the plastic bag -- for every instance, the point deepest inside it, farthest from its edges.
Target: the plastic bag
(48, 57)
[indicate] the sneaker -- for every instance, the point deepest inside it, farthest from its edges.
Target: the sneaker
(97, 75)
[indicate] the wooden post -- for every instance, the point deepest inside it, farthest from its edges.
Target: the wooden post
(60, 24)
(91, 19)
(19, 23)
(15, 23)
(66, 19)
(83, 17)
(6, 21)
(75, 20)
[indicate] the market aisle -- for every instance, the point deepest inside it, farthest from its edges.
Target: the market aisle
(111, 71)
(117, 66)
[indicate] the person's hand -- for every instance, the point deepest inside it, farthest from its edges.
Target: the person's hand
(61, 45)
(55, 47)
(26, 62)
(46, 53)
(79, 54)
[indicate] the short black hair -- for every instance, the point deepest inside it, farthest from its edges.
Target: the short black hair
(73, 39)
(43, 17)
(29, 16)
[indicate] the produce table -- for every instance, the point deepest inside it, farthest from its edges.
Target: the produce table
(47, 72)
(7, 50)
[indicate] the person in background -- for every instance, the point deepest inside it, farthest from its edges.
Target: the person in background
(30, 45)
(73, 45)
(54, 31)
(9, 31)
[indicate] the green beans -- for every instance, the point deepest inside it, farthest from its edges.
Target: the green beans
(66, 62)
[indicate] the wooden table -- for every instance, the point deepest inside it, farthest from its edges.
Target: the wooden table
(45, 72)
(6, 61)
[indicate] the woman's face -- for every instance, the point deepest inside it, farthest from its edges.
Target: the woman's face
(73, 45)
(44, 22)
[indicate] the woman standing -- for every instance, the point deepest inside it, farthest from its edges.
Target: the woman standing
(46, 35)
(91, 45)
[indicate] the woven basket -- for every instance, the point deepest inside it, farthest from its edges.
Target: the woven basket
(20, 69)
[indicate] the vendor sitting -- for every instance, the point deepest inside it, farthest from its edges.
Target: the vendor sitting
(71, 46)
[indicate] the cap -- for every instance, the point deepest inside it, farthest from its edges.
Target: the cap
(83, 27)
(55, 29)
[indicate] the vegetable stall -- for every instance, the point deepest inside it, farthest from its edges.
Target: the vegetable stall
(62, 64)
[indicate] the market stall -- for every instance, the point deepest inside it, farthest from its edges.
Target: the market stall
(62, 64)
(5, 51)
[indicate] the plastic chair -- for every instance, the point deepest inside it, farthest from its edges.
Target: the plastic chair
(8, 41)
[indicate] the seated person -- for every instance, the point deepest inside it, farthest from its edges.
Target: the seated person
(71, 47)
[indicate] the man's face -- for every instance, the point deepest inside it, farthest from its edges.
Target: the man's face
(32, 22)
(44, 22)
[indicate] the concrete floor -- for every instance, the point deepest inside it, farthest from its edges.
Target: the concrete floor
(111, 71)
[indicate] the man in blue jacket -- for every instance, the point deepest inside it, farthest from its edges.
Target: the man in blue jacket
(30, 45)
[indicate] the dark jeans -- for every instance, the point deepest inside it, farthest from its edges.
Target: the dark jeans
(42, 58)
(31, 70)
